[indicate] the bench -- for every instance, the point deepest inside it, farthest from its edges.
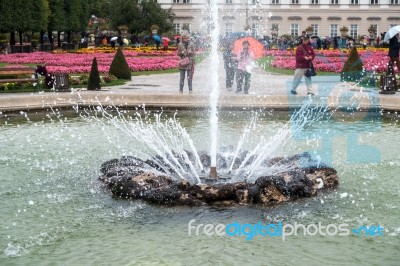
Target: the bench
(18, 74)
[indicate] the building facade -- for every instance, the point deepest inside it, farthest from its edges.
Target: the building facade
(278, 17)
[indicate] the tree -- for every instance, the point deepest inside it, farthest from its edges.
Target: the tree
(40, 15)
(94, 82)
(153, 14)
(124, 12)
(119, 67)
(57, 20)
(140, 15)
(353, 68)
(73, 24)
(6, 18)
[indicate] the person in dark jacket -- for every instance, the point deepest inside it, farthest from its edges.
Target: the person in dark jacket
(394, 48)
(186, 50)
(304, 56)
(230, 64)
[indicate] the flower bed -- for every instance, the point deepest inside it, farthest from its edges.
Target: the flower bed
(81, 62)
(147, 59)
(374, 60)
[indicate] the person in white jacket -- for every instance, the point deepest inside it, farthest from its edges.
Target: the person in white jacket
(245, 63)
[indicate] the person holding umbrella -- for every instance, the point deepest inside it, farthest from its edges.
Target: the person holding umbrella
(245, 62)
(394, 50)
(157, 40)
(165, 43)
(112, 41)
(186, 53)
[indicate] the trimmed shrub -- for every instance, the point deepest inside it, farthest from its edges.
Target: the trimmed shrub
(94, 77)
(353, 68)
(119, 67)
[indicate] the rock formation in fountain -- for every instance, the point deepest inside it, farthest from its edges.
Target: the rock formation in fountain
(133, 178)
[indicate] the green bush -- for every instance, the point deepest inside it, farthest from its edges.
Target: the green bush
(108, 79)
(353, 68)
(84, 79)
(94, 82)
(23, 86)
(119, 67)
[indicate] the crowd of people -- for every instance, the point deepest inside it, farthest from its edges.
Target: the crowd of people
(287, 42)
(238, 64)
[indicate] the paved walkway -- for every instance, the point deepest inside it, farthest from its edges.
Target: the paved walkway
(161, 90)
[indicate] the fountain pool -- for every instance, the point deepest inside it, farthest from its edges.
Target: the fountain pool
(54, 211)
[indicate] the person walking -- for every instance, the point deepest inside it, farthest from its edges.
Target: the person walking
(230, 65)
(245, 62)
(301, 38)
(165, 44)
(186, 52)
(394, 49)
(304, 56)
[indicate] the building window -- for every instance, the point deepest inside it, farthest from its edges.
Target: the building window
(394, 2)
(274, 2)
(354, 2)
(335, 2)
(295, 2)
(333, 29)
(181, 1)
(294, 30)
(314, 2)
(255, 29)
(228, 1)
(315, 29)
(374, 2)
(228, 28)
(177, 28)
(353, 31)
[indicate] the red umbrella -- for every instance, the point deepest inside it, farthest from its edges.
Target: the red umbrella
(255, 47)
(177, 37)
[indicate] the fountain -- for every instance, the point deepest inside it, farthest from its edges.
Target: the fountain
(170, 170)
(175, 175)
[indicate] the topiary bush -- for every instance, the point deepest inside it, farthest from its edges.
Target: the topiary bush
(94, 82)
(353, 69)
(119, 67)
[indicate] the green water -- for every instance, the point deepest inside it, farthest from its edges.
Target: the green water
(55, 212)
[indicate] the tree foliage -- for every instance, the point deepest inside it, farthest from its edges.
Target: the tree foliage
(353, 68)
(140, 15)
(6, 18)
(57, 17)
(94, 82)
(119, 67)
(73, 15)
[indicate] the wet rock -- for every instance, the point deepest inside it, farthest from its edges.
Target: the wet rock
(131, 177)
